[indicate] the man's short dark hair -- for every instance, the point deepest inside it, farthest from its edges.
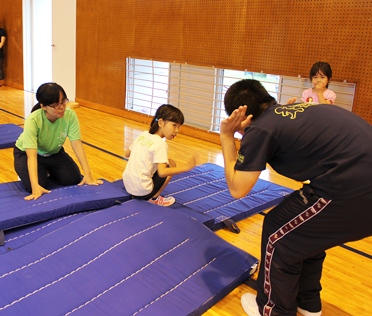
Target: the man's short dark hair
(248, 92)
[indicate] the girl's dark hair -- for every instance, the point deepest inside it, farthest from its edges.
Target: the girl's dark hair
(248, 92)
(322, 66)
(167, 112)
(48, 93)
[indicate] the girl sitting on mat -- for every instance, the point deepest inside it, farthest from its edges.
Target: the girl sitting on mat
(149, 170)
(38, 152)
(320, 76)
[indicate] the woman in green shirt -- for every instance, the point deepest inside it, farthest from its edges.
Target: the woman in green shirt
(39, 153)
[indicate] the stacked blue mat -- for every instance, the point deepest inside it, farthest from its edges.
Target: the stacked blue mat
(204, 191)
(15, 211)
(92, 250)
(9, 134)
(134, 258)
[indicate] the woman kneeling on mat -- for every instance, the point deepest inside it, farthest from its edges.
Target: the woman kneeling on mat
(39, 153)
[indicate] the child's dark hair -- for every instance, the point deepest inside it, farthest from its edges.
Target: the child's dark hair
(167, 112)
(248, 92)
(322, 66)
(48, 93)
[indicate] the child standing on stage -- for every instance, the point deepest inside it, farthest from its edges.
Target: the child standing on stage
(149, 170)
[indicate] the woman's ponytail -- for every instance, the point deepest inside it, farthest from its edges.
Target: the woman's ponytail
(36, 107)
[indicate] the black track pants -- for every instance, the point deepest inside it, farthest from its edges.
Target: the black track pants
(61, 168)
(295, 236)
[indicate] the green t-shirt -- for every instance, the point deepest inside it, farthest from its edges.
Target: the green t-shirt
(47, 137)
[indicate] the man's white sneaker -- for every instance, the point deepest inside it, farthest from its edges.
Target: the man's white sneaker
(249, 304)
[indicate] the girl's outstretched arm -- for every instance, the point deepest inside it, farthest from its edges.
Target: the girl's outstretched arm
(165, 171)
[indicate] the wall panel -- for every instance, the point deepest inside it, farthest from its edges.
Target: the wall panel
(295, 34)
(105, 36)
(278, 37)
(11, 21)
(215, 32)
(159, 30)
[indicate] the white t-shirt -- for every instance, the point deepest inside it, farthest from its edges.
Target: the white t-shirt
(146, 152)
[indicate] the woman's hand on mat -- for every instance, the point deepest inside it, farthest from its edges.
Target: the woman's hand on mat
(90, 181)
(36, 193)
(236, 122)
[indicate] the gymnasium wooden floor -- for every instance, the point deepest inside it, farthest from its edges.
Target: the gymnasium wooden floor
(347, 274)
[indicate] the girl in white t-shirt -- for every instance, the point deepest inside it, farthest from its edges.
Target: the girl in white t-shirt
(149, 170)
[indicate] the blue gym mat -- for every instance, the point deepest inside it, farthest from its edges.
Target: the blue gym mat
(135, 258)
(200, 193)
(204, 190)
(9, 134)
(15, 211)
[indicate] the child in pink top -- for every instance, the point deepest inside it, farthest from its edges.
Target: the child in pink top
(320, 76)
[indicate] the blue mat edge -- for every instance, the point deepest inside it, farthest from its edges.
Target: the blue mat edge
(15, 222)
(12, 132)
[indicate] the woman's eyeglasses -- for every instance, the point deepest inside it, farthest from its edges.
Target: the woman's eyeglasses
(59, 105)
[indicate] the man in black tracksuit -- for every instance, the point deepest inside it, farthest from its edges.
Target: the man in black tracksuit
(324, 144)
